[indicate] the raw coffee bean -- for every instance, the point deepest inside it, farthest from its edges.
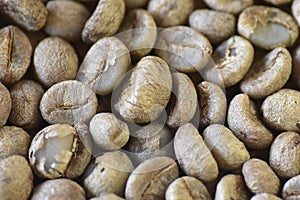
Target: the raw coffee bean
(233, 59)
(215, 25)
(104, 64)
(296, 10)
(243, 120)
(138, 31)
(231, 187)
(150, 141)
(183, 48)
(265, 196)
(229, 152)
(26, 96)
(58, 189)
(268, 27)
(150, 180)
(16, 179)
(281, 110)
(146, 92)
(66, 19)
(291, 189)
(268, 74)
(193, 156)
(188, 188)
(5, 104)
(52, 151)
(13, 141)
(133, 4)
(105, 20)
(296, 66)
(108, 132)
(30, 14)
(170, 12)
(54, 60)
(213, 104)
(259, 177)
(68, 102)
(183, 103)
(15, 54)
(233, 7)
(108, 174)
(285, 155)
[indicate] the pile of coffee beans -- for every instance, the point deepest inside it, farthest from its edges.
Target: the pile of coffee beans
(149, 99)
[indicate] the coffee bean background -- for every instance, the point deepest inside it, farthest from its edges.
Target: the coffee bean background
(149, 99)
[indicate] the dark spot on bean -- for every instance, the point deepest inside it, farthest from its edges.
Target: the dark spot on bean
(233, 52)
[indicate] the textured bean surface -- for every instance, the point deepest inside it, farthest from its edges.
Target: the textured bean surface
(151, 179)
(170, 12)
(178, 46)
(108, 174)
(26, 96)
(281, 110)
(215, 25)
(224, 145)
(233, 59)
(105, 20)
(31, 14)
(291, 189)
(58, 189)
(66, 19)
(213, 104)
(187, 188)
(231, 187)
(269, 74)
(244, 122)
(184, 103)
(108, 132)
(285, 154)
(104, 64)
(16, 178)
(267, 27)
(14, 58)
(259, 177)
(146, 92)
(55, 60)
(193, 155)
(68, 102)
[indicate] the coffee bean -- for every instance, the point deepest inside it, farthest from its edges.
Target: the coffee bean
(146, 92)
(284, 154)
(193, 155)
(267, 27)
(188, 188)
(15, 58)
(68, 102)
(268, 74)
(281, 110)
(244, 122)
(151, 179)
(183, 48)
(104, 64)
